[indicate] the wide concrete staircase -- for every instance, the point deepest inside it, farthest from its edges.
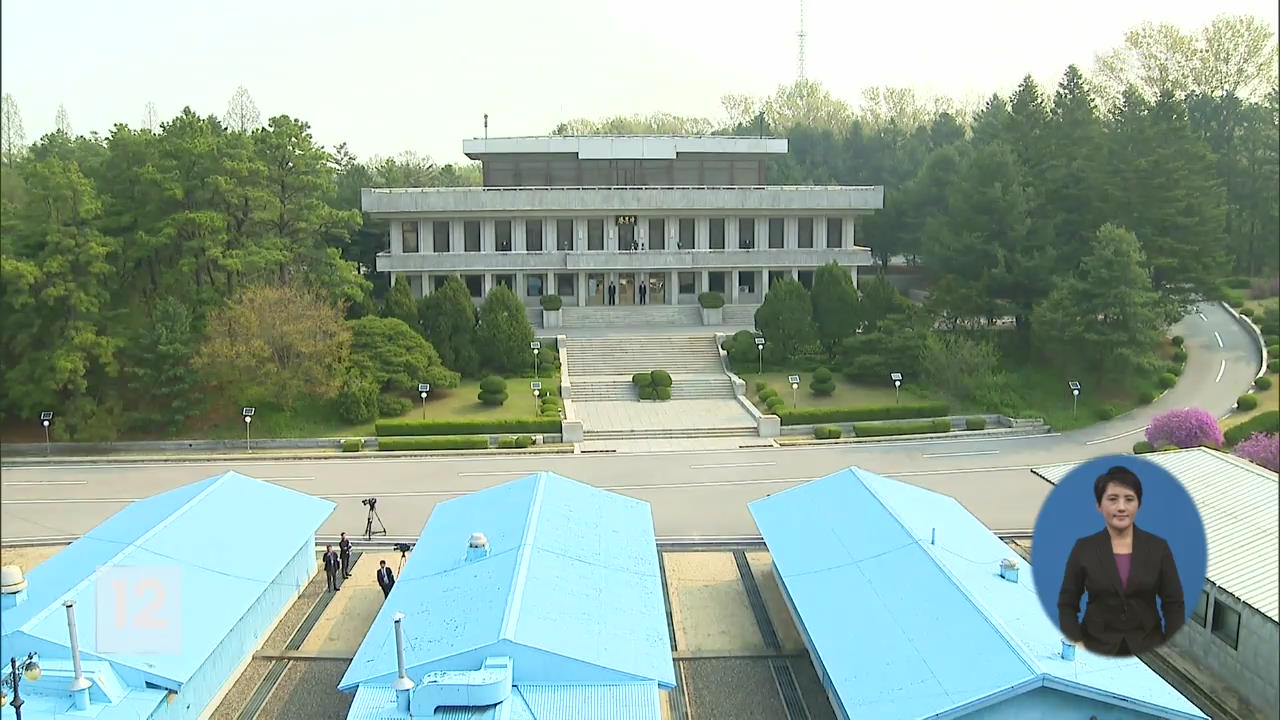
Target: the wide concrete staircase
(740, 315)
(600, 369)
(746, 432)
(612, 316)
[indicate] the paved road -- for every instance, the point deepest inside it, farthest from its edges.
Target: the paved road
(701, 493)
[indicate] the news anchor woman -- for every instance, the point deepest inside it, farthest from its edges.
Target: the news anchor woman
(1124, 569)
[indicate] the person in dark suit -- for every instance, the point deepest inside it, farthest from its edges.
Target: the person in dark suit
(386, 578)
(1124, 569)
(644, 294)
(613, 294)
(344, 552)
(331, 567)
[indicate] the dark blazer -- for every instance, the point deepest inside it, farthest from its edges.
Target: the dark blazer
(331, 563)
(1114, 614)
(386, 578)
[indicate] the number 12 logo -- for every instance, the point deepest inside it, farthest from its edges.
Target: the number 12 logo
(139, 609)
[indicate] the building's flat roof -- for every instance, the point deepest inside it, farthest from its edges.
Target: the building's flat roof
(1239, 503)
(897, 591)
(624, 147)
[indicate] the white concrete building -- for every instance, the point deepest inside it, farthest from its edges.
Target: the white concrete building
(659, 218)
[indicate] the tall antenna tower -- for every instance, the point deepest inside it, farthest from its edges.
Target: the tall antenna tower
(800, 74)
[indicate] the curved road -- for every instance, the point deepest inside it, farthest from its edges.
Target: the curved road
(694, 494)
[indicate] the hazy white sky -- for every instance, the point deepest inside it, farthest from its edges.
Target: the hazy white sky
(394, 75)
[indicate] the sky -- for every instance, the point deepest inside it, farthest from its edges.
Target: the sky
(388, 76)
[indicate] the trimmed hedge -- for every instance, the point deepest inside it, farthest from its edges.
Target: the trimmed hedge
(874, 429)
(1273, 351)
(1106, 412)
(515, 441)
(1142, 447)
(1179, 355)
(1246, 311)
(448, 442)
(648, 392)
(827, 432)
(975, 423)
(642, 379)
(1267, 422)
(761, 385)
(1238, 283)
(822, 384)
(393, 405)
(1175, 370)
(1247, 402)
(767, 393)
(1178, 341)
(403, 428)
(775, 402)
(493, 391)
(1146, 397)
(662, 393)
(711, 300)
(353, 445)
(551, 302)
(1167, 380)
(661, 378)
(1262, 383)
(1273, 365)
(815, 416)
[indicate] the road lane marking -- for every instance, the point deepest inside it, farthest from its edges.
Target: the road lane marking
(501, 472)
(287, 479)
(51, 501)
(731, 465)
(1202, 317)
(49, 482)
(961, 454)
(1221, 369)
(1219, 337)
(1116, 437)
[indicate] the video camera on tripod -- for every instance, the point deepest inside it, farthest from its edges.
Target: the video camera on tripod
(369, 532)
(404, 549)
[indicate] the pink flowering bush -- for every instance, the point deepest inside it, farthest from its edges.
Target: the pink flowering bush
(1261, 449)
(1184, 429)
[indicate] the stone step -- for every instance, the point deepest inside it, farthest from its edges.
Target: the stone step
(743, 315)
(744, 431)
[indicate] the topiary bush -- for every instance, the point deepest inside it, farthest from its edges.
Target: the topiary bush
(1246, 311)
(761, 385)
(393, 405)
(1185, 428)
(1262, 382)
(551, 302)
(1179, 355)
(493, 391)
(822, 383)
(1106, 412)
(397, 428)
(1167, 380)
(515, 441)
(1238, 282)
(358, 399)
(1273, 365)
(880, 429)
(1174, 370)
(661, 378)
(1142, 446)
(975, 423)
(647, 392)
(1146, 397)
(1271, 340)
(1178, 340)
(353, 445)
(711, 300)
(775, 403)
(662, 393)
(1261, 449)
(1273, 351)
(1245, 403)
(444, 442)
(827, 432)
(816, 416)
(642, 380)
(766, 393)
(1263, 422)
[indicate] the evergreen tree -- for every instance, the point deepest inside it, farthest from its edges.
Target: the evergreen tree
(400, 305)
(786, 321)
(160, 368)
(835, 306)
(505, 333)
(1073, 171)
(1106, 316)
(449, 319)
(395, 357)
(990, 123)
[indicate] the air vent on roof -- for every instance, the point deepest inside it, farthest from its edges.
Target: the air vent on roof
(1009, 569)
(1068, 650)
(13, 586)
(477, 547)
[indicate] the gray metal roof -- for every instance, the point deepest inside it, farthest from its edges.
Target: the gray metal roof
(629, 147)
(1239, 503)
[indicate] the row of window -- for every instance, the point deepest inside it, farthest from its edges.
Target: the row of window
(1225, 624)
(566, 283)
(541, 172)
(682, 236)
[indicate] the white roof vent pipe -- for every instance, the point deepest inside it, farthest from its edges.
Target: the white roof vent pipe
(477, 547)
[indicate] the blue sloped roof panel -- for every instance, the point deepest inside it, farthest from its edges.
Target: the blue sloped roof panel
(898, 590)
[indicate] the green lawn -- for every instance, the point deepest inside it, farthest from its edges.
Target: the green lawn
(320, 418)
(1267, 400)
(847, 394)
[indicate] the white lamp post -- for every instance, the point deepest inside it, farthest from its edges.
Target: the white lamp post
(760, 347)
(795, 385)
(423, 389)
(897, 384)
(46, 418)
(1075, 396)
(248, 419)
(535, 346)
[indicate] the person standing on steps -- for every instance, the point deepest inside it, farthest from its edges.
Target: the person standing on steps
(644, 294)
(331, 567)
(386, 578)
(344, 552)
(613, 294)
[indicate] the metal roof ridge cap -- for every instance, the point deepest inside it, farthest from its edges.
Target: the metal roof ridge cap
(516, 596)
(636, 679)
(40, 616)
(1076, 687)
(1023, 654)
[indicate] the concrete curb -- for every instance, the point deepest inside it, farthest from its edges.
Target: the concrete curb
(1255, 334)
(785, 440)
(556, 449)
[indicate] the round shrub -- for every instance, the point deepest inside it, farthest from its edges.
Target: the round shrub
(493, 390)
(1262, 383)
(1106, 412)
(1246, 402)
(1168, 380)
(1178, 340)
(727, 344)
(1273, 365)
(647, 392)
(551, 302)
(1273, 351)
(662, 392)
(642, 380)
(1142, 446)
(1271, 340)
(1179, 355)
(353, 445)
(1184, 428)
(393, 405)
(822, 375)
(661, 378)
(1237, 302)
(975, 423)
(1238, 282)
(827, 432)
(767, 393)
(1175, 370)
(358, 400)
(1146, 397)
(761, 385)
(822, 389)
(711, 300)
(775, 403)
(1247, 312)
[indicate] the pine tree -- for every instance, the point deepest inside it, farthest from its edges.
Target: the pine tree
(1073, 171)
(786, 320)
(448, 318)
(400, 304)
(505, 333)
(835, 306)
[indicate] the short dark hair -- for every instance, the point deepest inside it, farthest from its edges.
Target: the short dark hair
(1120, 475)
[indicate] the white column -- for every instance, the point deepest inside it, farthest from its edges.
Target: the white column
(487, 244)
(521, 288)
(456, 229)
(426, 284)
(733, 287)
(705, 282)
(791, 233)
(518, 243)
(853, 272)
(702, 235)
(581, 289)
(795, 274)
(673, 287)
(397, 239)
(731, 233)
(486, 284)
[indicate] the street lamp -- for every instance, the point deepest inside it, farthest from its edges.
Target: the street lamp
(535, 346)
(795, 385)
(248, 418)
(760, 347)
(897, 384)
(1075, 396)
(46, 417)
(423, 389)
(537, 390)
(30, 668)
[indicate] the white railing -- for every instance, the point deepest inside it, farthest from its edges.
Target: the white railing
(620, 187)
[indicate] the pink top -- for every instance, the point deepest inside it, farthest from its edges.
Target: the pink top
(1122, 564)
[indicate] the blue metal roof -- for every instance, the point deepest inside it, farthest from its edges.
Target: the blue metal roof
(898, 593)
(226, 538)
(633, 701)
(570, 590)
